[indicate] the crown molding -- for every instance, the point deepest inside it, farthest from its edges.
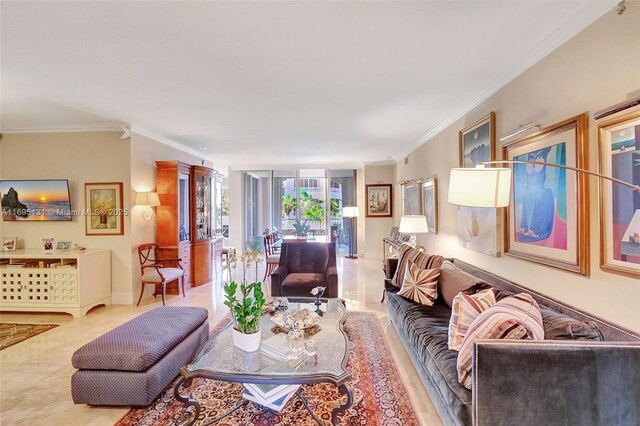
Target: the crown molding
(578, 22)
(256, 167)
(169, 142)
(68, 129)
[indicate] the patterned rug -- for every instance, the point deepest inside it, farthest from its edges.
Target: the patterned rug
(10, 333)
(380, 396)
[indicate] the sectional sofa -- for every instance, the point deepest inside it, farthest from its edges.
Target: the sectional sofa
(523, 382)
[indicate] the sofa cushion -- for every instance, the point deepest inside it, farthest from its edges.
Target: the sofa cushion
(421, 259)
(425, 330)
(453, 280)
(169, 274)
(299, 284)
(139, 343)
(466, 307)
(514, 317)
(420, 285)
(558, 326)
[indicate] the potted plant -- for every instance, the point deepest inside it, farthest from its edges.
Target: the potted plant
(245, 301)
(301, 228)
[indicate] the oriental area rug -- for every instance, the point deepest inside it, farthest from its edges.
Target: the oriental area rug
(380, 396)
(11, 333)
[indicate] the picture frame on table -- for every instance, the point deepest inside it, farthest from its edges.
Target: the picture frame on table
(479, 227)
(619, 157)
(379, 200)
(9, 243)
(104, 208)
(63, 245)
(430, 203)
(547, 220)
(48, 244)
(412, 198)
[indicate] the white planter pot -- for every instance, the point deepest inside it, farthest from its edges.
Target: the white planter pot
(247, 342)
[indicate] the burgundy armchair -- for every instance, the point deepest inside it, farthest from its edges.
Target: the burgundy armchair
(303, 266)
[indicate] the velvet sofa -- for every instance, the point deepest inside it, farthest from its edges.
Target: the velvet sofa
(303, 266)
(523, 382)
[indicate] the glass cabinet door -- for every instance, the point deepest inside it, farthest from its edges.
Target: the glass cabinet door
(203, 207)
(218, 206)
(183, 207)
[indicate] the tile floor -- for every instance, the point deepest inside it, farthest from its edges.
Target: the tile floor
(35, 375)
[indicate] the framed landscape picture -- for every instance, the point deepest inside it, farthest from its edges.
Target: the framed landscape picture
(411, 198)
(430, 204)
(619, 157)
(104, 213)
(379, 200)
(478, 228)
(547, 219)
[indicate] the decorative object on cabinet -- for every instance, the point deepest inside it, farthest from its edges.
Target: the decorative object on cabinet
(413, 224)
(430, 203)
(547, 221)
(379, 200)
(9, 243)
(411, 202)
(104, 208)
(147, 200)
(63, 246)
(158, 271)
(619, 157)
(477, 226)
(351, 213)
(72, 282)
(48, 244)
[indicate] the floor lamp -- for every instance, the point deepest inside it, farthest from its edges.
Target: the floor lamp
(351, 213)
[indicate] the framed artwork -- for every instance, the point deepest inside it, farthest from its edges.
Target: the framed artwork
(619, 157)
(9, 243)
(379, 200)
(478, 228)
(47, 244)
(63, 245)
(104, 209)
(411, 198)
(547, 219)
(430, 203)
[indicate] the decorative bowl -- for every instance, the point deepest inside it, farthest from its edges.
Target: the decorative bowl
(298, 319)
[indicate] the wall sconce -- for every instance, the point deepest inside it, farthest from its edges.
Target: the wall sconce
(148, 200)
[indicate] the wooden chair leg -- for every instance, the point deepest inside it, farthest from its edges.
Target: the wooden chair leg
(182, 281)
(141, 293)
(164, 292)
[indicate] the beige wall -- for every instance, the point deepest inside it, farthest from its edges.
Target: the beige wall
(597, 68)
(376, 228)
(80, 158)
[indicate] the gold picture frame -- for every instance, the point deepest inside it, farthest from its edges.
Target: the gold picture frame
(430, 203)
(412, 198)
(618, 154)
(547, 220)
(104, 211)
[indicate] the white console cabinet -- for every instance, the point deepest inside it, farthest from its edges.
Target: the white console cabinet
(71, 282)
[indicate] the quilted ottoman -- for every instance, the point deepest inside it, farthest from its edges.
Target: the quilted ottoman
(131, 364)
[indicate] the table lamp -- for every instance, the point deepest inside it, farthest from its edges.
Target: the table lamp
(413, 224)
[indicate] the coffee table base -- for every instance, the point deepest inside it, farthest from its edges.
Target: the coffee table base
(188, 401)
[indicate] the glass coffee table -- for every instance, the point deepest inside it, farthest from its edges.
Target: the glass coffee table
(219, 359)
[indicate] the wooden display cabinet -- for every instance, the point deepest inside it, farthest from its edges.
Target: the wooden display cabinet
(202, 224)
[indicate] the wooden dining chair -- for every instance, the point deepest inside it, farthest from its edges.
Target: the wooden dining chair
(273, 259)
(158, 272)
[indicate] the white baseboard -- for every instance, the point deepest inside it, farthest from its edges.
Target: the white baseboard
(121, 298)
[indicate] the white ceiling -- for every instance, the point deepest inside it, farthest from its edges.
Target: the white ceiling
(258, 83)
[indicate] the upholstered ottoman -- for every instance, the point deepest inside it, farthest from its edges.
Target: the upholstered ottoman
(131, 364)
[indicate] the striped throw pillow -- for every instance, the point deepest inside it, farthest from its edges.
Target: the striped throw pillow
(514, 317)
(421, 259)
(465, 308)
(420, 285)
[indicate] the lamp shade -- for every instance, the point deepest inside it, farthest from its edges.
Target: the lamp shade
(350, 211)
(480, 187)
(413, 224)
(147, 199)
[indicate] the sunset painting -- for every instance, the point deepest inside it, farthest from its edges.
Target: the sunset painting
(35, 200)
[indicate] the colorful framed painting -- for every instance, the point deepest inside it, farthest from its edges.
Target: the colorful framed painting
(547, 219)
(479, 228)
(619, 157)
(430, 203)
(411, 198)
(104, 213)
(379, 200)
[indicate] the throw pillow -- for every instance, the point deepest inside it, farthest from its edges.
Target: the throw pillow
(421, 259)
(558, 326)
(453, 280)
(420, 285)
(465, 308)
(514, 317)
